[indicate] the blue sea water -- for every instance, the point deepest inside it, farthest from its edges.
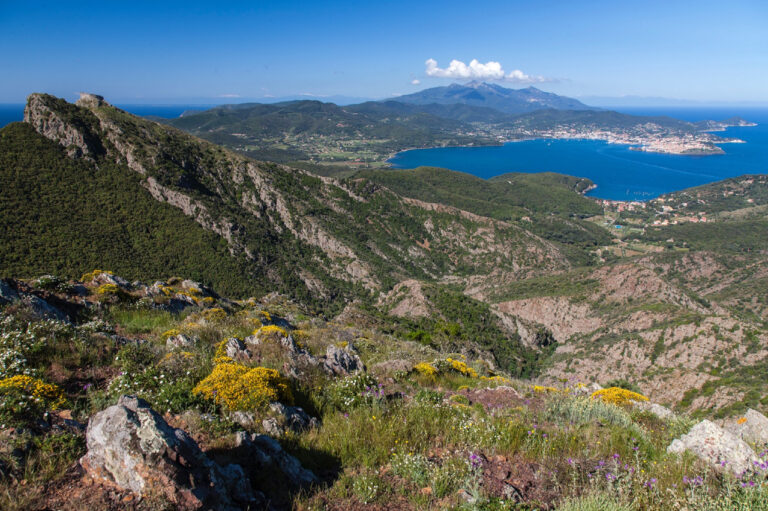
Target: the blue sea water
(619, 173)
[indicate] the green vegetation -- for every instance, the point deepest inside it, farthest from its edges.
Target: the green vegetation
(412, 440)
(67, 217)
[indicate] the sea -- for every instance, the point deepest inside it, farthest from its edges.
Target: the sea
(618, 172)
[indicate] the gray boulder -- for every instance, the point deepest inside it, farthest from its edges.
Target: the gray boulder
(721, 449)
(752, 427)
(130, 446)
(392, 367)
(179, 341)
(236, 350)
(287, 418)
(42, 309)
(342, 361)
(108, 278)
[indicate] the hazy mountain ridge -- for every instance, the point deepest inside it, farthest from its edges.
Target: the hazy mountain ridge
(510, 101)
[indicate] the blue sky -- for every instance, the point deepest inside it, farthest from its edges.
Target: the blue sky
(179, 52)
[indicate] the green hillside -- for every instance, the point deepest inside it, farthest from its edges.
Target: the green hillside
(65, 216)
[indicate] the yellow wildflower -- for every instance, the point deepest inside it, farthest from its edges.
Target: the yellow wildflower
(618, 396)
(237, 387)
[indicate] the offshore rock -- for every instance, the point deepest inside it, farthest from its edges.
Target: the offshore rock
(721, 449)
(130, 446)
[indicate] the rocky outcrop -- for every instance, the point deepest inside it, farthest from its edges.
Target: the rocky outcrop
(236, 350)
(132, 447)
(288, 418)
(720, 449)
(42, 112)
(342, 361)
(179, 341)
(752, 427)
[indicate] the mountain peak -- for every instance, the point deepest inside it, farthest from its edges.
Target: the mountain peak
(491, 95)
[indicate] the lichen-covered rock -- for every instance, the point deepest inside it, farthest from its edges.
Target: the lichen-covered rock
(721, 449)
(179, 341)
(108, 278)
(391, 367)
(752, 427)
(342, 361)
(236, 350)
(41, 308)
(132, 447)
(292, 418)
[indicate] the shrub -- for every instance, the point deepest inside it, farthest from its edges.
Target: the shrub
(353, 391)
(237, 387)
(214, 315)
(270, 332)
(134, 358)
(108, 290)
(426, 369)
(618, 396)
(23, 398)
(457, 366)
(88, 277)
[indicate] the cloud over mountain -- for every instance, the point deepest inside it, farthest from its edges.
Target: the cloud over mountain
(476, 70)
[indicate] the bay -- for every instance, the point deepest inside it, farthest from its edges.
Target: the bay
(618, 172)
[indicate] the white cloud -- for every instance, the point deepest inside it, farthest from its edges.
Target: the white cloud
(476, 70)
(415, 81)
(229, 95)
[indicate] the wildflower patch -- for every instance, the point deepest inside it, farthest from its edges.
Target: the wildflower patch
(237, 387)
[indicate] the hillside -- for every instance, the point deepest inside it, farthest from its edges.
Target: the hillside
(324, 132)
(260, 226)
(168, 396)
(510, 101)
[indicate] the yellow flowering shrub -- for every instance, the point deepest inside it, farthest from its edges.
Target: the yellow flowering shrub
(107, 289)
(214, 314)
(88, 277)
(173, 332)
(266, 315)
(544, 390)
(461, 367)
(618, 396)
(237, 387)
(426, 369)
(496, 379)
(208, 300)
(24, 398)
(270, 332)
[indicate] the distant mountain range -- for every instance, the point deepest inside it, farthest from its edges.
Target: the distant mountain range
(511, 101)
